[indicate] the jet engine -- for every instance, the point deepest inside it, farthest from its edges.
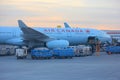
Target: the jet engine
(57, 44)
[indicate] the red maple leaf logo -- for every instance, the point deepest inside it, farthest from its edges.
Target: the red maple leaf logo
(87, 31)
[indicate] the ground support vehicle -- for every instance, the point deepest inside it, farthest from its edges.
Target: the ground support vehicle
(113, 49)
(21, 53)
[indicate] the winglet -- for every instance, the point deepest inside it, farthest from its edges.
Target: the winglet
(21, 24)
(66, 25)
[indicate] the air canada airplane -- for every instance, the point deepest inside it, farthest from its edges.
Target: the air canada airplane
(50, 37)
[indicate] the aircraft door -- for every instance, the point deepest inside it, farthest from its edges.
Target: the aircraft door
(91, 39)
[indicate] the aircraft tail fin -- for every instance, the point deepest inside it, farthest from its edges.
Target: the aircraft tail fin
(66, 25)
(21, 24)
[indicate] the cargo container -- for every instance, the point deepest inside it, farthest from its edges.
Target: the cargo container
(82, 50)
(2, 51)
(41, 54)
(63, 53)
(7, 50)
(55, 53)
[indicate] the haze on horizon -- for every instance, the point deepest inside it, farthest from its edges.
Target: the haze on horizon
(99, 14)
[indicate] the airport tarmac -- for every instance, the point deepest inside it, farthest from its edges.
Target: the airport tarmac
(103, 67)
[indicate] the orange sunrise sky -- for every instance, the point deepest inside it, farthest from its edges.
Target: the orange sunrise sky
(98, 14)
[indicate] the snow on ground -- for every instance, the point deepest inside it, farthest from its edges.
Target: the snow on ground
(103, 67)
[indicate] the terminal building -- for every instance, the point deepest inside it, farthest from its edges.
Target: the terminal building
(115, 34)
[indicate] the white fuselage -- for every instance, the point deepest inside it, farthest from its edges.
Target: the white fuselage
(13, 35)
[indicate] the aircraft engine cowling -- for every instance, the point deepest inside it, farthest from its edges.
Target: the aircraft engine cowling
(57, 44)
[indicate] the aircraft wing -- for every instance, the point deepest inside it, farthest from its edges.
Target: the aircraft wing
(31, 34)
